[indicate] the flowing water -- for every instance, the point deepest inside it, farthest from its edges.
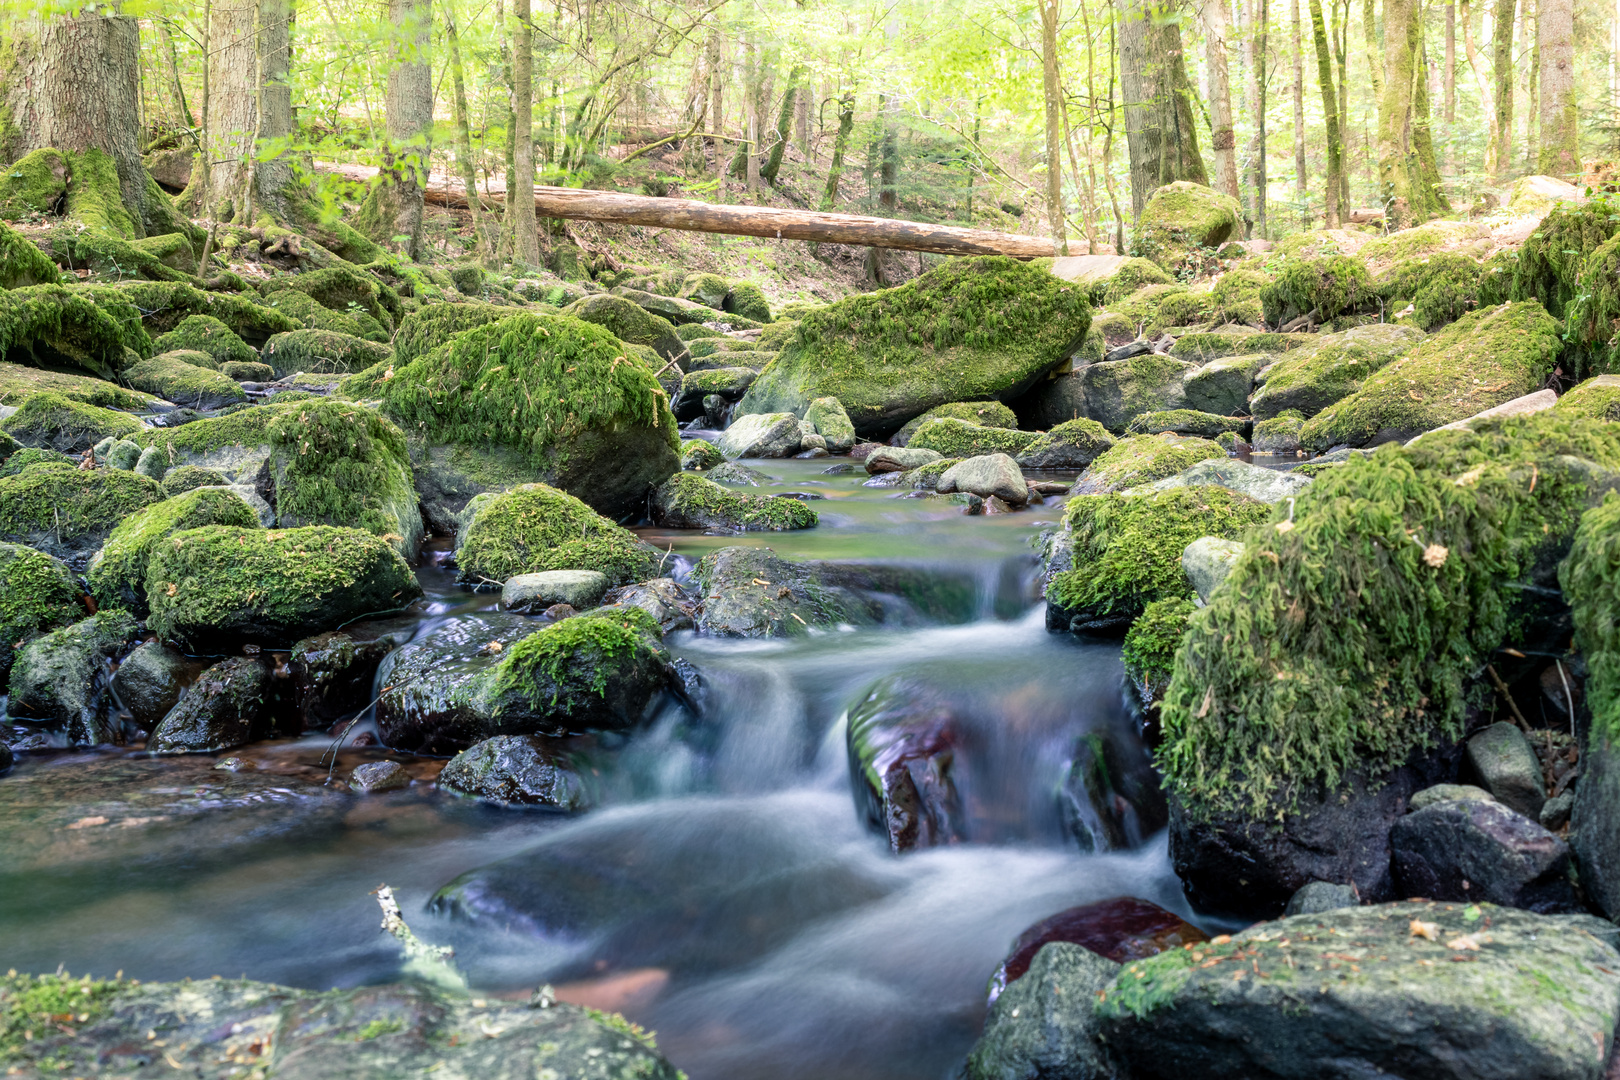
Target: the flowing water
(724, 893)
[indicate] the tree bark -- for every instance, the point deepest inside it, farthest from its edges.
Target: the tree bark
(1256, 44)
(520, 216)
(1052, 85)
(464, 152)
(1160, 133)
(273, 177)
(233, 108)
(784, 126)
(1491, 144)
(1302, 186)
(1560, 147)
(1222, 138)
(1426, 164)
(1502, 59)
(835, 171)
(394, 212)
(1450, 89)
(1330, 111)
(171, 68)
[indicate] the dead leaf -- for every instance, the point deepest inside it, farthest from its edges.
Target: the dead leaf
(88, 822)
(1465, 942)
(1428, 930)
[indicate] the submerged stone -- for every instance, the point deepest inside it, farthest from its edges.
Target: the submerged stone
(520, 770)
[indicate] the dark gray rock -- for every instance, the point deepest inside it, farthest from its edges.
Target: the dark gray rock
(61, 679)
(1042, 1027)
(516, 770)
(227, 707)
(333, 676)
(1556, 810)
(734, 604)
(1501, 758)
(150, 680)
(661, 598)
(1595, 826)
(1222, 386)
(1320, 896)
(376, 777)
(735, 472)
(1481, 851)
(5, 757)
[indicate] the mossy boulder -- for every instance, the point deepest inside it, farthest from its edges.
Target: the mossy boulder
(37, 593)
(344, 289)
(516, 770)
(1331, 368)
(689, 501)
(1130, 276)
(1324, 288)
(185, 478)
(1201, 348)
(1278, 434)
(254, 372)
(1236, 296)
(1142, 459)
(171, 377)
(427, 328)
(706, 289)
(87, 328)
(536, 527)
(700, 454)
(987, 413)
(730, 383)
(748, 300)
(1073, 444)
(214, 589)
(830, 421)
(117, 572)
(69, 512)
(1181, 217)
(1431, 238)
(976, 329)
(629, 322)
(1140, 311)
(204, 333)
(1115, 392)
(750, 592)
(18, 382)
(1484, 359)
(322, 352)
(1127, 552)
(1597, 398)
(1149, 650)
(22, 263)
(1438, 289)
(235, 445)
(60, 680)
(961, 439)
(533, 398)
(596, 671)
(1552, 260)
(228, 706)
(310, 314)
(70, 427)
(1222, 386)
(163, 305)
(28, 458)
(1185, 422)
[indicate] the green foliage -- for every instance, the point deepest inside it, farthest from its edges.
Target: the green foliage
(1591, 581)
(1185, 422)
(1132, 275)
(32, 1007)
(1127, 548)
(1146, 985)
(1347, 640)
(343, 464)
(21, 263)
(1142, 459)
(1332, 286)
(422, 331)
(535, 527)
(1151, 643)
(205, 333)
(117, 573)
(1592, 317)
(60, 423)
(1552, 258)
(1236, 296)
(1441, 288)
(962, 439)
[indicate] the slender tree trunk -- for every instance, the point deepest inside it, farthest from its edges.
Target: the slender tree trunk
(171, 68)
(1222, 139)
(1502, 71)
(233, 106)
(1395, 173)
(1528, 36)
(1258, 179)
(392, 213)
(1330, 111)
(1160, 132)
(520, 211)
(464, 151)
(1302, 185)
(1375, 57)
(784, 126)
(1451, 86)
(1053, 86)
(1560, 146)
(978, 117)
(835, 170)
(1484, 87)
(274, 180)
(1427, 166)
(1108, 134)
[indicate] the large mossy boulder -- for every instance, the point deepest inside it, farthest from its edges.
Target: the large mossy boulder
(59, 680)
(1142, 459)
(117, 573)
(1409, 989)
(1432, 290)
(1329, 369)
(1482, 360)
(214, 589)
(1597, 398)
(1323, 289)
(533, 398)
(1330, 675)
(205, 333)
(18, 382)
(1073, 444)
(22, 263)
(536, 527)
(1183, 216)
(170, 377)
(750, 592)
(54, 422)
(962, 439)
(629, 322)
(322, 352)
(689, 501)
(342, 288)
(37, 593)
(986, 413)
(69, 512)
(164, 305)
(976, 329)
(426, 328)
(314, 316)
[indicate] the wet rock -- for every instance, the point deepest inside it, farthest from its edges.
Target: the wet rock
(827, 416)
(333, 675)
(61, 681)
(1320, 896)
(1115, 392)
(661, 598)
(1257, 482)
(1501, 758)
(1073, 444)
(716, 412)
(1119, 930)
(6, 757)
(401, 1029)
(150, 680)
(37, 593)
(1035, 1032)
(227, 707)
(527, 594)
(1111, 799)
(700, 454)
(1555, 811)
(727, 383)
(735, 472)
(1374, 991)
(902, 744)
(1206, 562)
(535, 527)
(887, 459)
(749, 592)
(762, 435)
(1481, 851)
(376, 777)
(558, 612)
(515, 770)
(992, 475)
(1448, 793)
(691, 501)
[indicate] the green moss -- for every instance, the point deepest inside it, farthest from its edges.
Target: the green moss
(1140, 310)
(535, 527)
(322, 352)
(34, 1006)
(1347, 641)
(700, 454)
(1131, 276)
(706, 289)
(63, 424)
(1236, 297)
(1329, 369)
(1185, 422)
(1315, 244)
(1180, 217)
(1194, 306)
(1151, 643)
(961, 439)
(687, 500)
(35, 185)
(193, 357)
(164, 305)
(1421, 240)
(19, 460)
(1127, 548)
(1591, 585)
(254, 372)
(748, 300)
(988, 413)
(1597, 398)
(624, 319)
(1146, 985)
(1279, 434)
(423, 331)
(530, 383)
(776, 336)
(117, 573)
(706, 347)
(62, 508)
(1332, 286)
(18, 382)
(71, 326)
(925, 477)
(183, 478)
(170, 377)
(246, 427)
(342, 464)
(345, 290)
(21, 263)
(716, 380)
(204, 333)
(1485, 358)
(1142, 459)
(1592, 318)
(1204, 347)
(1552, 258)
(37, 593)
(575, 657)
(692, 332)
(1441, 288)
(313, 316)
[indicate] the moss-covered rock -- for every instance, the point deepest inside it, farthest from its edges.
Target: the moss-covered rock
(1439, 288)
(205, 333)
(961, 439)
(1185, 422)
(534, 398)
(31, 457)
(185, 478)
(1142, 459)
(1223, 386)
(37, 593)
(1552, 258)
(830, 421)
(689, 501)
(18, 382)
(1325, 288)
(700, 454)
(748, 300)
(344, 289)
(214, 589)
(322, 352)
(1431, 238)
(629, 322)
(23, 264)
(164, 305)
(60, 679)
(310, 314)
(730, 383)
(1279, 434)
(1150, 645)
(706, 289)
(70, 427)
(987, 413)
(1329, 369)
(1131, 275)
(1127, 552)
(1485, 358)
(1073, 444)
(1142, 311)
(170, 377)
(254, 372)
(1115, 392)
(984, 328)
(536, 527)
(426, 329)
(750, 592)
(1597, 398)
(1180, 217)
(89, 328)
(117, 573)
(227, 707)
(1236, 296)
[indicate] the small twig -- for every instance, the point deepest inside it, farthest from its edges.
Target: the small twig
(1501, 688)
(1569, 699)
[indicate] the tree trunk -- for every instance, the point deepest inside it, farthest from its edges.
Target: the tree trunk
(784, 126)
(1451, 86)
(464, 152)
(79, 90)
(1052, 86)
(1302, 186)
(1369, 34)
(233, 108)
(1330, 111)
(835, 171)
(1427, 166)
(392, 212)
(1529, 36)
(1160, 132)
(171, 68)
(1341, 50)
(1502, 70)
(1222, 139)
(1560, 144)
(520, 214)
(1258, 20)
(1491, 145)
(274, 181)
(1395, 172)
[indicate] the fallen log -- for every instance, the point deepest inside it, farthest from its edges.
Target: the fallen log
(689, 215)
